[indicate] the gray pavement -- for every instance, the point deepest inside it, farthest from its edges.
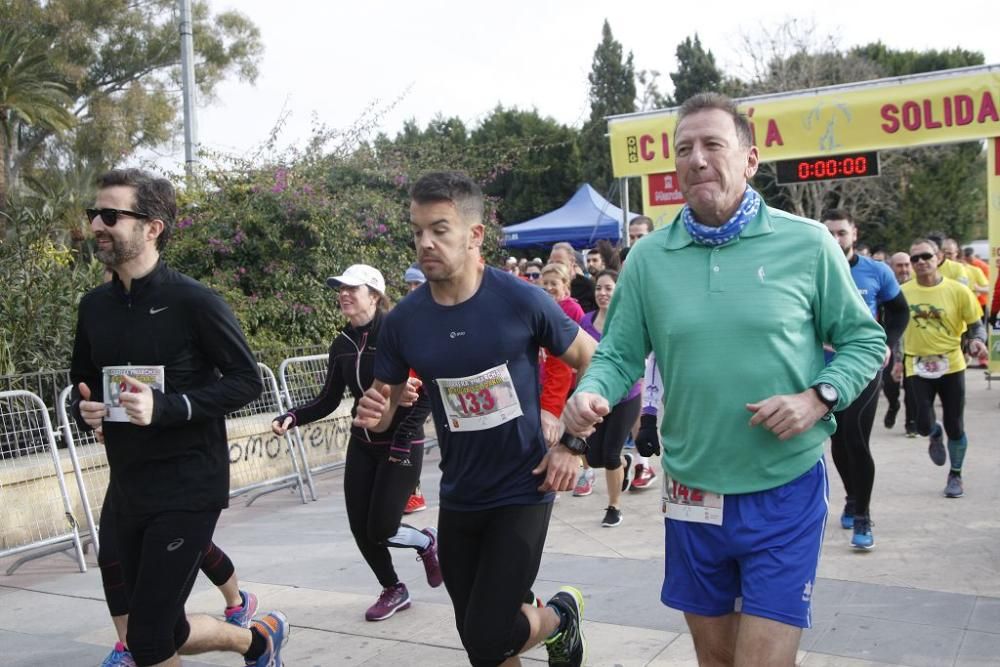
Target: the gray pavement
(927, 595)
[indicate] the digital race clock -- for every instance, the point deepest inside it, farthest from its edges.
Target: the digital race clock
(807, 170)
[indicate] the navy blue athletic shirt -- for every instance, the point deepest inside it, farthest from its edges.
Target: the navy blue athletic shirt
(505, 322)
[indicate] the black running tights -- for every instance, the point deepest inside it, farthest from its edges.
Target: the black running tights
(489, 559)
(375, 492)
(850, 446)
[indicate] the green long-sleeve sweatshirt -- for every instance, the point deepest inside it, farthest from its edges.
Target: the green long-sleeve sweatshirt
(734, 325)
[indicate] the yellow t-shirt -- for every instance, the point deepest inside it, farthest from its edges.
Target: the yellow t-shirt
(977, 279)
(955, 271)
(939, 315)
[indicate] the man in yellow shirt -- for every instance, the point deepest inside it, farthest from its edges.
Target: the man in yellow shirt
(977, 280)
(944, 318)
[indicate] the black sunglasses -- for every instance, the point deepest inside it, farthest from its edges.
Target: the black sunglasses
(109, 216)
(926, 256)
(532, 276)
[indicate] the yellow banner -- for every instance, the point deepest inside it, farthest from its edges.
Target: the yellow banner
(889, 114)
(993, 221)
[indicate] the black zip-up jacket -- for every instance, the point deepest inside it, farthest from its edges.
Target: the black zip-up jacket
(352, 367)
(180, 461)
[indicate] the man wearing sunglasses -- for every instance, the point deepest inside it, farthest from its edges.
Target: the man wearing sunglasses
(167, 448)
(944, 319)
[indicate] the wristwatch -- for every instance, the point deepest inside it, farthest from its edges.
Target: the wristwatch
(573, 443)
(827, 394)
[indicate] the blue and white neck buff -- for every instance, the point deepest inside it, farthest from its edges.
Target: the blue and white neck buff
(716, 236)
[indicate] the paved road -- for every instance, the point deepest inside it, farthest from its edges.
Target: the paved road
(928, 595)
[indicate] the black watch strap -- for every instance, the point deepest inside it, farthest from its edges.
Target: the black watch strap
(573, 443)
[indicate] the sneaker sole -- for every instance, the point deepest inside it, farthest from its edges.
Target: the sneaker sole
(581, 495)
(414, 511)
(863, 547)
(402, 607)
(612, 525)
(951, 495)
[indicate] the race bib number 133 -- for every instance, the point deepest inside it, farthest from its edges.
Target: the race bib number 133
(480, 401)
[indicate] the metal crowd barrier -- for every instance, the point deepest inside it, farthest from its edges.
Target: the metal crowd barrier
(90, 464)
(255, 454)
(34, 499)
(302, 379)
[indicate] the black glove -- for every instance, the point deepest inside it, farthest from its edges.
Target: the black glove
(647, 441)
(282, 417)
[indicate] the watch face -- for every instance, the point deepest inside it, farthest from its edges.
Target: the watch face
(827, 393)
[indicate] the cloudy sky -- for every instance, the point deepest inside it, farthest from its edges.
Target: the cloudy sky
(328, 62)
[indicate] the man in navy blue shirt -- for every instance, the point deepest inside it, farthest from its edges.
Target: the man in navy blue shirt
(852, 456)
(472, 333)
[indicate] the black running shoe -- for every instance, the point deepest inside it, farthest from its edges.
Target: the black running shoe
(890, 415)
(569, 647)
(612, 517)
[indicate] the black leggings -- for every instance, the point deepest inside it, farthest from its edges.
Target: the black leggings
(160, 557)
(375, 492)
(850, 446)
(892, 390)
(489, 560)
(604, 446)
(951, 389)
(216, 564)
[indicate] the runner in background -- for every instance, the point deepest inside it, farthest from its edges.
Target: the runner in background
(850, 443)
(945, 321)
(604, 446)
(414, 278)
(892, 381)
(381, 467)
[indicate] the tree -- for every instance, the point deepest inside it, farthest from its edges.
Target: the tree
(696, 71)
(30, 95)
(544, 157)
(117, 61)
(612, 91)
(937, 187)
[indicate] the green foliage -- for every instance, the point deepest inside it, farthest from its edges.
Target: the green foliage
(612, 91)
(545, 158)
(42, 285)
(901, 63)
(696, 71)
(118, 61)
(30, 94)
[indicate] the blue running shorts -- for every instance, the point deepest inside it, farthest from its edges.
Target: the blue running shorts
(766, 552)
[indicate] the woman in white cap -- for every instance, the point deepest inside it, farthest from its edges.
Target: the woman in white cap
(381, 468)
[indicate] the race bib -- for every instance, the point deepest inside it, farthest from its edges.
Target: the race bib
(114, 386)
(931, 367)
(684, 503)
(481, 401)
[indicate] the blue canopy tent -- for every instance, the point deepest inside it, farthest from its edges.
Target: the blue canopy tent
(586, 218)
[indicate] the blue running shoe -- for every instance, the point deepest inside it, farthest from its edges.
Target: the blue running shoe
(274, 626)
(847, 517)
(862, 538)
(243, 615)
(936, 448)
(119, 657)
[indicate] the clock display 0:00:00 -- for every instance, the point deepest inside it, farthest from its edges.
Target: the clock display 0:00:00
(826, 168)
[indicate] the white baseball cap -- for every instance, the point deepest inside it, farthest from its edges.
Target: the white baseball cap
(357, 275)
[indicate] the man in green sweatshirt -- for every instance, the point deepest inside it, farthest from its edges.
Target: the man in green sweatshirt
(737, 300)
